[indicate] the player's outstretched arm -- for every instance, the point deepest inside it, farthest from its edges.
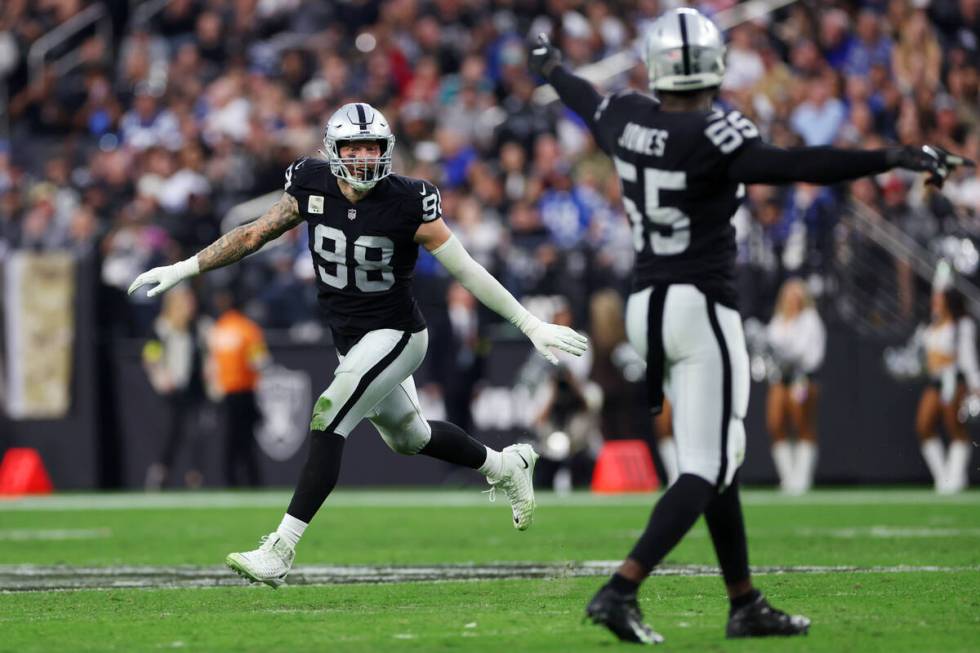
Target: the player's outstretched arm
(233, 246)
(576, 93)
(765, 164)
(436, 237)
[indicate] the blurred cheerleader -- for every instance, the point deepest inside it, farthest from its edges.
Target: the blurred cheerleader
(797, 342)
(173, 364)
(949, 345)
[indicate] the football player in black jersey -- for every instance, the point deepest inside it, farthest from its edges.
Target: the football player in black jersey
(682, 163)
(365, 226)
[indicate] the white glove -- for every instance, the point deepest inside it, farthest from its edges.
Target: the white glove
(166, 277)
(544, 336)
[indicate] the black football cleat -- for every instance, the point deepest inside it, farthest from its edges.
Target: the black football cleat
(759, 619)
(621, 615)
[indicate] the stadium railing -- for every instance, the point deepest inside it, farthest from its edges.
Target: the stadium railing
(959, 250)
(95, 16)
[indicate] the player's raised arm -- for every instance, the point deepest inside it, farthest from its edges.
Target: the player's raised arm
(436, 237)
(577, 94)
(765, 164)
(233, 246)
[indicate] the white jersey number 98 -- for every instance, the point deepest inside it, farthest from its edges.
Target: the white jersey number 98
(336, 253)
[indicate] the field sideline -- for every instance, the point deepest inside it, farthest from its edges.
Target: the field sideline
(432, 570)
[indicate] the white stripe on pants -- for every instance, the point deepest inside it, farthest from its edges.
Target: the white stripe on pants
(695, 378)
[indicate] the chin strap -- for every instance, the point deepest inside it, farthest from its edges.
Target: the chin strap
(361, 185)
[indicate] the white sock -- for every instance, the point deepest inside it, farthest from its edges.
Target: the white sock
(958, 465)
(932, 452)
(782, 456)
(668, 456)
(806, 464)
(493, 466)
(291, 529)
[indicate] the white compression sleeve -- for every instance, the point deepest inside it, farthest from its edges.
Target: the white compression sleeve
(482, 284)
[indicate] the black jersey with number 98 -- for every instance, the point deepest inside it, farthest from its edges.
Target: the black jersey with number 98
(672, 166)
(363, 254)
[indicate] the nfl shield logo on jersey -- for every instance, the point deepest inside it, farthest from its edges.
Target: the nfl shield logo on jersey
(351, 214)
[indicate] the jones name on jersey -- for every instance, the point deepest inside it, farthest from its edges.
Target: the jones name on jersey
(676, 190)
(364, 254)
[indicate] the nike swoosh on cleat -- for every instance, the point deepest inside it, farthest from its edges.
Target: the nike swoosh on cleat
(640, 632)
(522, 460)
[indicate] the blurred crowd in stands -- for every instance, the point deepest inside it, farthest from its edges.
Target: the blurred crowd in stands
(134, 149)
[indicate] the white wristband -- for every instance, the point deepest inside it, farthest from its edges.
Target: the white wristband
(527, 322)
(188, 267)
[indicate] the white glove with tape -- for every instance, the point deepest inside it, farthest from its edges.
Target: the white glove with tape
(166, 277)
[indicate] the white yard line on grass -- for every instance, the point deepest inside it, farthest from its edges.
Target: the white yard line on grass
(430, 498)
(33, 534)
(15, 578)
(886, 532)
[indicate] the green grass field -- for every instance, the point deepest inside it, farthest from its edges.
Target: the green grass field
(876, 570)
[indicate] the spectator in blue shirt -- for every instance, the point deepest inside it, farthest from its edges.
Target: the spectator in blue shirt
(563, 211)
(147, 124)
(819, 118)
(870, 48)
(835, 37)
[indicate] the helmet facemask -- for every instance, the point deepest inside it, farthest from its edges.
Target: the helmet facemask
(358, 122)
(362, 173)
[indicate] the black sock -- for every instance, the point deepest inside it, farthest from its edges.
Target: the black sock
(622, 584)
(319, 475)
(454, 445)
(743, 600)
(673, 516)
(727, 527)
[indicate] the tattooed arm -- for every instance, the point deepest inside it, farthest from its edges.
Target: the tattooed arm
(247, 238)
(233, 246)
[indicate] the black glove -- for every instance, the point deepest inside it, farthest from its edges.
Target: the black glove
(544, 57)
(928, 158)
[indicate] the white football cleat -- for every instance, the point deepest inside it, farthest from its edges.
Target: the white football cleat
(516, 482)
(267, 564)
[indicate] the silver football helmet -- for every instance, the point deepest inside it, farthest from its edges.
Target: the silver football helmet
(685, 51)
(358, 121)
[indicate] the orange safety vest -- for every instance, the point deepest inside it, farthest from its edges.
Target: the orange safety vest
(236, 345)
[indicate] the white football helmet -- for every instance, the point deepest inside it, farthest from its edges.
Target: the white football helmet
(684, 52)
(358, 121)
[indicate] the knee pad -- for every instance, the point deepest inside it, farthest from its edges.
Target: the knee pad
(407, 444)
(406, 436)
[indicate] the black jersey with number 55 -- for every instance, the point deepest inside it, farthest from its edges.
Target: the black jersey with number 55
(676, 192)
(363, 254)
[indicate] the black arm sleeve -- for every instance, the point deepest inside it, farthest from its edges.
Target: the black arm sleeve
(765, 164)
(577, 94)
